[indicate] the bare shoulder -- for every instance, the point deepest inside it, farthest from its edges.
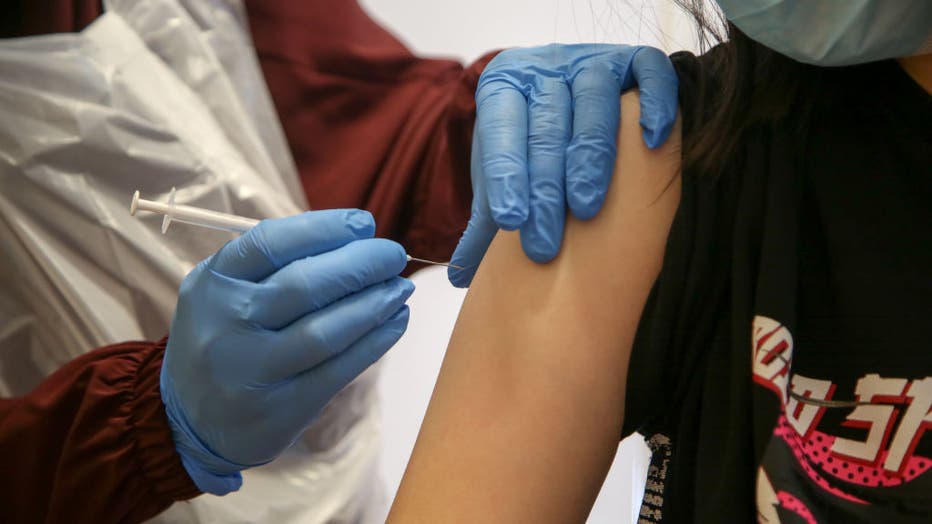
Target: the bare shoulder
(636, 217)
(644, 177)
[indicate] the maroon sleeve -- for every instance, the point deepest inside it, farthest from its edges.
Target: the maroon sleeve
(36, 17)
(91, 443)
(370, 125)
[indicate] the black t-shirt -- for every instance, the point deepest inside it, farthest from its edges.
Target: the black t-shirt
(782, 371)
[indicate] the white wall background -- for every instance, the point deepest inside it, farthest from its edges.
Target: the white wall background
(466, 30)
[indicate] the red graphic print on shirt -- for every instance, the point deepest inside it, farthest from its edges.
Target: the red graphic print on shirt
(893, 414)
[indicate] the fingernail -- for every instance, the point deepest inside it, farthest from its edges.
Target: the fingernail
(653, 136)
(510, 218)
(650, 137)
(460, 277)
(585, 199)
(654, 133)
(454, 273)
(361, 223)
(542, 250)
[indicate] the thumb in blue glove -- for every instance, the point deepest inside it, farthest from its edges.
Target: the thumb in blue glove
(269, 329)
(545, 139)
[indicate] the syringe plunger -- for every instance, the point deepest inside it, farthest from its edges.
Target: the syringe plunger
(191, 215)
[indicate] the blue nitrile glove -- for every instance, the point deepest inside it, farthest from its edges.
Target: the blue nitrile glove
(269, 329)
(545, 137)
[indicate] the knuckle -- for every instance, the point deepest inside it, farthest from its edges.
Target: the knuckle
(652, 54)
(234, 301)
(191, 280)
(241, 311)
(551, 98)
(596, 76)
(501, 166)
(207, 345)
(259, 239)
(506, 57)
(548, 189)
(317, 336)
(361, 223)
(594, 138)
(496, 94)
(256, 302)
(546, 167)
(550, 139)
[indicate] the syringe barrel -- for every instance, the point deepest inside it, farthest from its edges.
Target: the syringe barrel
(212, 219)
(193, 215)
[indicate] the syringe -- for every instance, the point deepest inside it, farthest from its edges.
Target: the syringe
(214, 219)
(191, 215)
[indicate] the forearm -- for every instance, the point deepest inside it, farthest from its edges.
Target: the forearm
(527, 411)
(91, 443)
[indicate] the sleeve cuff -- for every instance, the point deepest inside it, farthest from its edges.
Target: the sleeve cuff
(159, 462)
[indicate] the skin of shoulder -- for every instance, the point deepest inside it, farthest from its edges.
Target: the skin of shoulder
(526, 414)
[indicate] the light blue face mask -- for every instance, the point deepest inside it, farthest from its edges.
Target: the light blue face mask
(836, 32)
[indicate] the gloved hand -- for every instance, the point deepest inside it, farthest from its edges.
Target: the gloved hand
(269, 329)
(545, 136)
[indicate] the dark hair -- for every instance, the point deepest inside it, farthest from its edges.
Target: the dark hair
(747, 85)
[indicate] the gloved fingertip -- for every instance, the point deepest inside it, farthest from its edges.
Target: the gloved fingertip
(401, 256)
(539, 243)
(587, 209)
(385, 253)
(655, 134)
(400, 317)
(209, 482)
(460, 278)
(651, 137)
(585, 198)
(361, 223)
(542, 256)
(406, 288)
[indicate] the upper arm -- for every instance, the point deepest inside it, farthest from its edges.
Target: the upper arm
(527, 411)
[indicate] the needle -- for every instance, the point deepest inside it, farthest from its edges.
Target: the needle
(446, 264)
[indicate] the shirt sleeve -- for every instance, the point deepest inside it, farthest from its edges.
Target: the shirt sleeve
(370, 124)
(92, 443)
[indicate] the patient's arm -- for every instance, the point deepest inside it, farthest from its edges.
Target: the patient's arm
(526, 414)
